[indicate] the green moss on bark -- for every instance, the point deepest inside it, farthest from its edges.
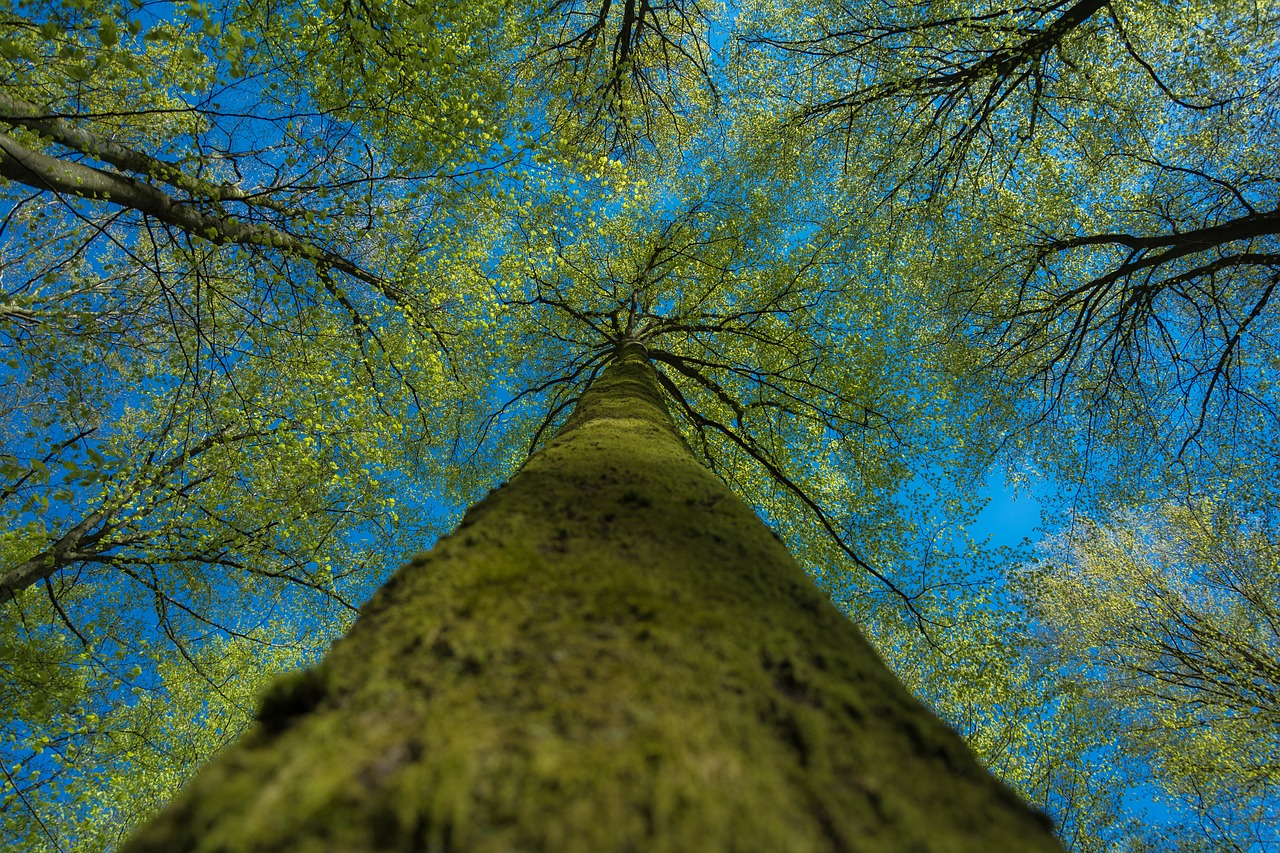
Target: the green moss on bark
(611, 653)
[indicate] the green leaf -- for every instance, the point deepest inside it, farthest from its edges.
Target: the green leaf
(108, 33)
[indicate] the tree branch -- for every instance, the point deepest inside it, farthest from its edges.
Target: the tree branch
(40, 171)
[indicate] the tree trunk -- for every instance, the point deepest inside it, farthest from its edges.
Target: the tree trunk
(610, 653)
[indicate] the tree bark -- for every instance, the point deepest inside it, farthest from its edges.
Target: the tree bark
(610, 653)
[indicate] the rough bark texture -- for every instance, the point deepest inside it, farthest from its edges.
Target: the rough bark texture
(611, 653)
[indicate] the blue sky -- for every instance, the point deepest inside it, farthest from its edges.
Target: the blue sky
(1011, 515)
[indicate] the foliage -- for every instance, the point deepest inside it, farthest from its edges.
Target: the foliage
(1171, 617)
(91, 772)
(625, 76)
(1099, 179)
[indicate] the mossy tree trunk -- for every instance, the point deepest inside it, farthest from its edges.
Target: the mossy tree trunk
(611, 653)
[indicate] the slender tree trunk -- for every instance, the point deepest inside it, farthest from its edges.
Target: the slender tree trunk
(611, 653)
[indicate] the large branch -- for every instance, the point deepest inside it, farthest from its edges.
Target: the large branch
(998, 64)
(85, 540)
(40, 171)
(20, 113)
(1003, 62)
(63, 552)
(1195, 240)
(1172, 247)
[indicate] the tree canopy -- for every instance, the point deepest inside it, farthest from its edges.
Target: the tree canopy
(1178, 604)
(285, 286)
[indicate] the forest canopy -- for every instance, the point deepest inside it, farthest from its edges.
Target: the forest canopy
(285, 287)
